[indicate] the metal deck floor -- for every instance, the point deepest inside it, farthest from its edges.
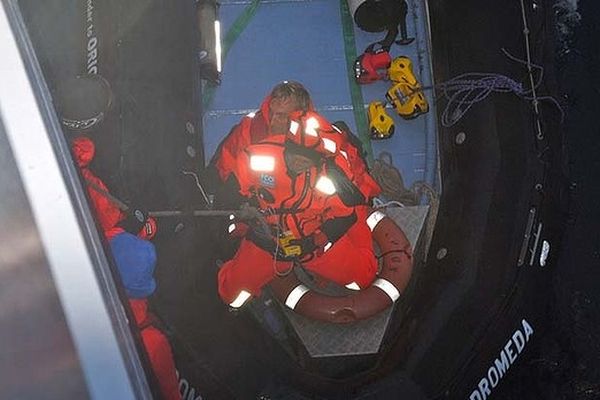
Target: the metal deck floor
(323, 339)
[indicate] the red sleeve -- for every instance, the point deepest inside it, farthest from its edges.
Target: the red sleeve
(106, 211)
(235, 143)
(241, 170)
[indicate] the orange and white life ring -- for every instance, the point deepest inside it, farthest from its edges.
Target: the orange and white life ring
(383, 292)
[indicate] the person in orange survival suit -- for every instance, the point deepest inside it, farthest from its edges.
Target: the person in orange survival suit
(316, 214)
(111, 218)
(273, 118)
(83, 103)
(135, 258)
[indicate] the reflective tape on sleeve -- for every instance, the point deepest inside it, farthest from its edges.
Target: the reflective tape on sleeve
(295, 296)
(388, 287)
(231, 228)
(329, 145)
(262, 163)
(374, 219)
(311, 126)
(325, 185)
(294, 127)
(240, 299)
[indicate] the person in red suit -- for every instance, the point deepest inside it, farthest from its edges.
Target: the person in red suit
(273, 118)
(111, 218)
(135, 258)
(315, 212)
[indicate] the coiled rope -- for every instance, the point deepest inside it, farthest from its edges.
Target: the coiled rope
(465, 90)
(396, 194)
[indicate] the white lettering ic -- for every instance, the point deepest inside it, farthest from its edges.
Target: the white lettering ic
(192, 395)
(528, 329)
(502, 365)
(92, 43)
(519, 340)
(92, 55)
(493, 376)
(484, 388)
(89, 11)
(511, 356)
(186, 391)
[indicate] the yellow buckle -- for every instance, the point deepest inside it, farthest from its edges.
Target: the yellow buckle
(289, 249)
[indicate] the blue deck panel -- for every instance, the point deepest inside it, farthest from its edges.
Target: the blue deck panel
(286, 40)
(303, 41)
(411, 143)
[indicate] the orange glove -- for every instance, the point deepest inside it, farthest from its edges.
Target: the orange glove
(149, 229)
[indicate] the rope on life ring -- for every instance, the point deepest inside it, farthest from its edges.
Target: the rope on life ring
(383, 292)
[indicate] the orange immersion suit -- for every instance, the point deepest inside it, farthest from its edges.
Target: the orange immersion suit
(321, 203)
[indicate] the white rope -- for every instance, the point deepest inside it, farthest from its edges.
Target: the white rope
(198, 184)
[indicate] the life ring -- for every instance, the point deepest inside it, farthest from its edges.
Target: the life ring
(383, 292)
